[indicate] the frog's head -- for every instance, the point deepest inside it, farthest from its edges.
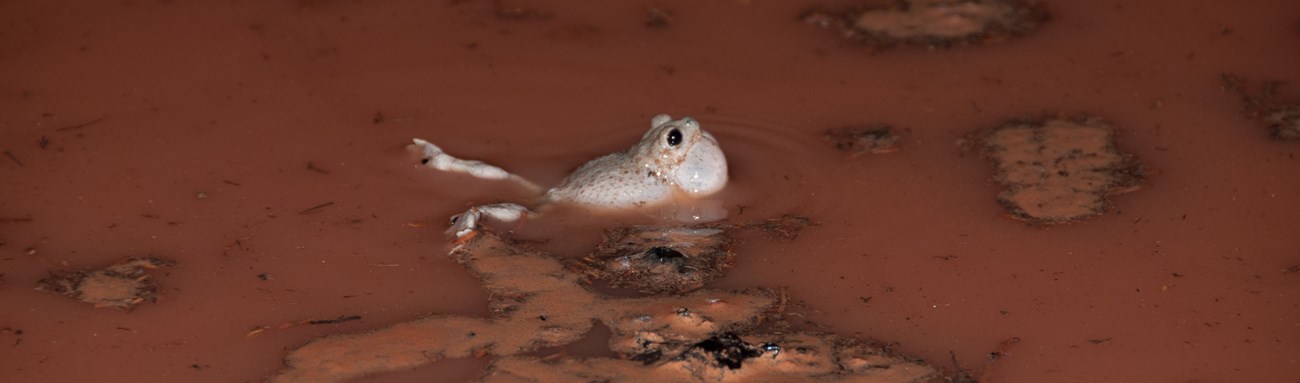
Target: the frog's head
(682, 154)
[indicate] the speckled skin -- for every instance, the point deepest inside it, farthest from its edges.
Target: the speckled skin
(673, 158)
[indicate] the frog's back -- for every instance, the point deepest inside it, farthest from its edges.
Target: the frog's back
(613, 181)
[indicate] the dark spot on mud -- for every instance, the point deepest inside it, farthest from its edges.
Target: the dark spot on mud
(859, 140)
(122, 285)
(931, 23)
(1057, 170)
(725, 350)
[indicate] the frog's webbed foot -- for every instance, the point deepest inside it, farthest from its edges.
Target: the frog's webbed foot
(464, 223)
(433, 156)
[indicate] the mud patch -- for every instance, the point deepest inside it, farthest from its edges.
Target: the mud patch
(931, 23)
(538, 302)
(1281, 118)
(858, 140)
(656, 260)
(674, 260)
(122, 285)
(1057, 170)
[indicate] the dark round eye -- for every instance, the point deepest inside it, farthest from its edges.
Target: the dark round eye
(674, 137)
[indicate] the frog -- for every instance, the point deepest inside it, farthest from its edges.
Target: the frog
(675, 160)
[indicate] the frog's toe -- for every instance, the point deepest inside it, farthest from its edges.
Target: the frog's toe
(464, 223)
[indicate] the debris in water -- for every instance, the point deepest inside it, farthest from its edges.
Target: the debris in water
(785, 227)
(316, 209)
(931, 23)
(1057, 170)
(536, 302)
(1282, 119)
(80, 126)
(342, 318)
(13, 157)
(859, 140)
(121, 286)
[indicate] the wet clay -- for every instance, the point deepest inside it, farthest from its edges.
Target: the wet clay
(122, 285)
(536, 303)
(1057, 170)
(931, 23)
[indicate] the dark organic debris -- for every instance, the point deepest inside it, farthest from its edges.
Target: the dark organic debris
(13, 157)
(343, 318)
(80, 126)
(859, 140)
(1057, 170)
(931, 23)
(724, 350)
(316, 209)
(1281, 118)
(536, 302)
(121, 285)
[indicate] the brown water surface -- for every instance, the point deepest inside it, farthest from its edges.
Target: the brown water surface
(206, 132)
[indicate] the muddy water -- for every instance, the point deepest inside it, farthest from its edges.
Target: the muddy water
(116, 116)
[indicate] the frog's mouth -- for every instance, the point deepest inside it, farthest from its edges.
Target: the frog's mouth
(704, 169)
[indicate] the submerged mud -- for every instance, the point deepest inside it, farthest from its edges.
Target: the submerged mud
(122, 285)
(1282, 118)
(1057, 170)
(931, 23)
(859, 140)
(536, 303)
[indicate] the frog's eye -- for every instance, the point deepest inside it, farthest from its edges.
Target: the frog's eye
(674, 137)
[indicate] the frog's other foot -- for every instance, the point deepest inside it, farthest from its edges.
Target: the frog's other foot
(465, 223)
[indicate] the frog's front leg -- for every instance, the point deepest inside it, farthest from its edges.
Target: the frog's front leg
(464, 223)
(434, 157)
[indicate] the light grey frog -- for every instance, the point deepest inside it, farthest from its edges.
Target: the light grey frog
(675, 159)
